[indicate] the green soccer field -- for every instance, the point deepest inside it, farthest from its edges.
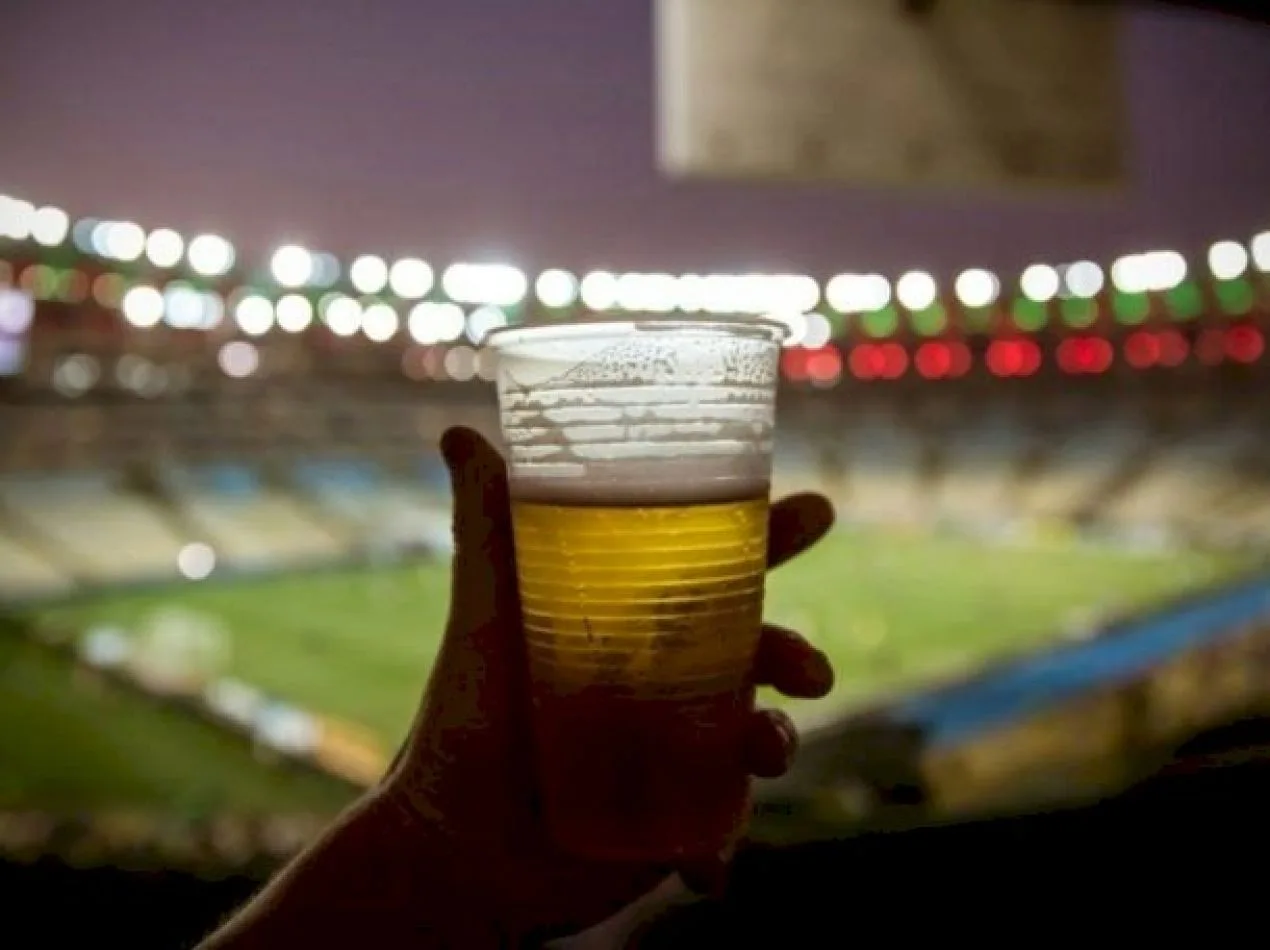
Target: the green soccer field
(890, 610)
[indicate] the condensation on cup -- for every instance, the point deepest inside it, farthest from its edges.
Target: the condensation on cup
(639, 454)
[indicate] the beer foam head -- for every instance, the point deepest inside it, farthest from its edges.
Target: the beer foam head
(638, 411)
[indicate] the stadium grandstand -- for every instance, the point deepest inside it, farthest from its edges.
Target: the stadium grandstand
(219, 478)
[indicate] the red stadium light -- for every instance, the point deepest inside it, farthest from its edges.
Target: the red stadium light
(824, 366)
(1244, 344)
(1142, 350)
(1013, 357)
(1085, 355)
(1174, 347)
(794, 364)
(1210, 348)
(961, 360)
(933, 360)
(894, 360)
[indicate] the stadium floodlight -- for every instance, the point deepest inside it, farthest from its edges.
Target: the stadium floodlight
(50, 226)
(1260, 246)
(368, 274)
(210, 255)
(499, 284)
(238, 359)
(977, 287)
(124, 240)
(410, 278)
(343, 316)
(1083, 280)
(599, 290)
(858, 293)
(380, 322)
(482, 321)
(15, 218)
(556, 288)
(292, 265)
(164, 247)
(648, 293)
(294, 313)
(142, 306)
(460, 363)
(1228, 260)
(916, 290)
(1040, 283)
(196, 560)
(254, 315)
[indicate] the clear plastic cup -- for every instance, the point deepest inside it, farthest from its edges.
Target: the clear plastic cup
(640, 466)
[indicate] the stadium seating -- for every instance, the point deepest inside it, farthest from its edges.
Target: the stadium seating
(980, 461)
(1079, 464)
(104, 532)
(249, 524)
(884, 470)
(24, 574)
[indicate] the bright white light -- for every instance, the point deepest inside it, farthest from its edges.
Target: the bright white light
(1040, 283)
(292, 265)
(818, 332)
(858, 293)
(916, 290)
(556, 288)
(483, 321)
(460, 363)
(197, 560)
(106, 648)
(1227, 260)
(977, 287)
(499, 284)
(294, 313)
(1156, 271)
(380, 322)
(410, 278)
(49, 226)
(16, 217)
(1083, 280)
(795, 325)
(1261, 251)
(164, 247)
(210, 255)
(142, 306)
(599, 290)
(368, 274)
(238, 359)
(74, 375)
(436, 322)
(344, 316)
(17, 310)
(254, 315)
(184, 307)
(650, 293)
(125, 241)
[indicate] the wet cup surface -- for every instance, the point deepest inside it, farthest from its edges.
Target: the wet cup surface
(640, 465)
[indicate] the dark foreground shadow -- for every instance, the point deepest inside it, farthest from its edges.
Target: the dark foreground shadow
(1187, 843)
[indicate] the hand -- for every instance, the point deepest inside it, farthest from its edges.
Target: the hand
(452, 845)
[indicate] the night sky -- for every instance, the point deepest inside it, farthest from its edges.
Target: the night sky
(522, 130)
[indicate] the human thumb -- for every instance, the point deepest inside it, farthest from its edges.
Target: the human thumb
(483, 582)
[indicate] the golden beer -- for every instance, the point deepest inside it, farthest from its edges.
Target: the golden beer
(641, 623)
(639, 453)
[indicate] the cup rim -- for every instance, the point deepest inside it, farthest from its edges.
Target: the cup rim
(503, 337)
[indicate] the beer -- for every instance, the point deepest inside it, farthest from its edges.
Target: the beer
(641, 623)
(640, 460)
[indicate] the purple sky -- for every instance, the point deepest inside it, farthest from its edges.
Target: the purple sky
(522, 130)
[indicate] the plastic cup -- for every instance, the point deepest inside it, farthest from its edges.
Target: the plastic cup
(640, 466)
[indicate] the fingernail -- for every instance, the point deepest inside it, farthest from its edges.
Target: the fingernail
(819, 667)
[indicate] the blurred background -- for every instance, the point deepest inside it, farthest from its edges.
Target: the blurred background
(248, 253)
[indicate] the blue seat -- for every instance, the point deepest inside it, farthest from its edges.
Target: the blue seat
(345, 476)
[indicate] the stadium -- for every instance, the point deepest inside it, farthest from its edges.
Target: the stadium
(225, 532)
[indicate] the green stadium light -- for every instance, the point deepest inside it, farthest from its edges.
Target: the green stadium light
(1079, 312)
(880, 323)
(931, 321)
(1130, 308)
(1235, 297)
(1029, 315)
(1185, 301)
